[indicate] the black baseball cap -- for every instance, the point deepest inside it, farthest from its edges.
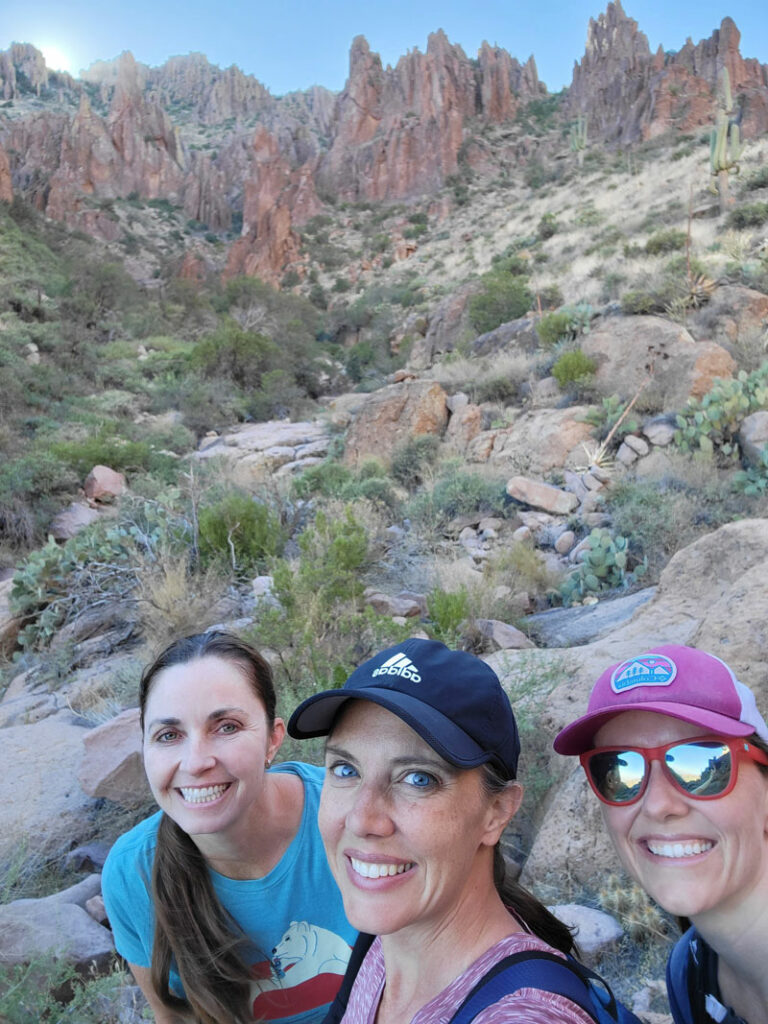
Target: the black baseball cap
(452, 699)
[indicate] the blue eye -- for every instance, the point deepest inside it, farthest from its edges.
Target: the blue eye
(166, 737)
(343, 770)
(420, 780)
(228, 728)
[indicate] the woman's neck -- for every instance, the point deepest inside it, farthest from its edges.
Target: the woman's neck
(254, 845)
(740, 941)
(422, 960)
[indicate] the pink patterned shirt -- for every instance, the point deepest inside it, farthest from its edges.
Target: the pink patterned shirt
(525, 1006)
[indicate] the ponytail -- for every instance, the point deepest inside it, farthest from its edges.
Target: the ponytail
(195, 934)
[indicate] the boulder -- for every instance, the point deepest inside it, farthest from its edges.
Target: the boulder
(503, 636)
(595, 931)
(627, 348)
(404, 607)
(394, 414)
(538, 441)
(659, 431)
(10, 624)
(40, 799)
(103, 484)
(258, 450)
(753, 437)
(540, 495)
(31, 928)
(112, 765)
(70, 521)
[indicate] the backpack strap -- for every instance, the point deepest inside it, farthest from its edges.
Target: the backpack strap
(679, 978)
(546, 971)
(338, 1007)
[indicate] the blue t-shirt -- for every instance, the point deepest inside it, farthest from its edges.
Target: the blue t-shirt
(294, 916)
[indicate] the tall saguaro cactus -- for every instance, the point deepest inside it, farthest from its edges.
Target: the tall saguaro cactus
(725, 141)
(578, 138)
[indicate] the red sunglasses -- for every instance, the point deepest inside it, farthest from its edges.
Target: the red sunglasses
(703, 768)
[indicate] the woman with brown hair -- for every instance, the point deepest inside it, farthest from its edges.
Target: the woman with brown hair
(222, 903)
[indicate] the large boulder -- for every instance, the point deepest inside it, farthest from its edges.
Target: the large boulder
(394, 414)
(538, 441)
(57, 924)
(112, 764)
(627, 349)
(70, 521)
(259, 450)
(10, 624)
(103, 484)
(40, 800)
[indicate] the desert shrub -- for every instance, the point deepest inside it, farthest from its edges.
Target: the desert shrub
(665, 241)
(753, 480)
(750, 215)
(503, 297)
(453, 494)
(239, 530)
(447, 611)
(758, 179)
(333, 480)
(547, 226)
(242, 356)
(573, 368)
(410, 459)
(522, 567)
(553, 326)
(320, 629)
(106, 448)
(30, 486)
(51, 991)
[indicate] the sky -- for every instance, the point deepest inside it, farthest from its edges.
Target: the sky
(293, 44)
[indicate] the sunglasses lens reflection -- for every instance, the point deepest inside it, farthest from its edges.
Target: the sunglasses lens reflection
(701, 769)
(618, 774)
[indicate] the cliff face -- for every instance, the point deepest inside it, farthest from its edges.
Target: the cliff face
(631, 94)
(215, 142)
(399, 132)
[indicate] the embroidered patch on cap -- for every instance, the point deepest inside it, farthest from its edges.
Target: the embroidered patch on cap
(399, 665)
(645, 670)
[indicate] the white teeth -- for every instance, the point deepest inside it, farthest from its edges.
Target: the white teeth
(201, 794)
(676, 850)
(362, 867)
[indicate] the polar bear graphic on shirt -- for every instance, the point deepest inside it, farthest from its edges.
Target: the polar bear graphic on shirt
(306, 968)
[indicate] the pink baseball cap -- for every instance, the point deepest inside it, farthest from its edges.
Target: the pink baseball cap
(673, 680)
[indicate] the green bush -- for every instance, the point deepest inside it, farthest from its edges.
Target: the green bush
(668, 240)
(504, 297)
(757, 180)
(751, 215)
(410, 459)
(453, 494)
(240, 531)
(50, 991)
(447, 611)
(573, 368)
(552, 327)
(547, 226)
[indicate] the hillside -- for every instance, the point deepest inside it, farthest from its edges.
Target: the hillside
(443, 354)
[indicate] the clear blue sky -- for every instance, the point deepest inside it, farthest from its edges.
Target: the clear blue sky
(292, 44)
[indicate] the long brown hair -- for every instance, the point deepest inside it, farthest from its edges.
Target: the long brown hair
(523, 904)
(192, 929)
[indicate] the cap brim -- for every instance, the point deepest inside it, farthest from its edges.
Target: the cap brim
(579, 736)
(316, 715)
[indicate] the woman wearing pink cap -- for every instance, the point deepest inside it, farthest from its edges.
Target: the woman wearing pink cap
(675, 749)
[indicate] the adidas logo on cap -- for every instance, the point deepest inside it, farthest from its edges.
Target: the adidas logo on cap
(399, 665)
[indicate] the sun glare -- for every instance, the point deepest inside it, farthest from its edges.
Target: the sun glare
(56, 59)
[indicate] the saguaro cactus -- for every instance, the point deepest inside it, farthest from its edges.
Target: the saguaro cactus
(725, 141)
(578, 138)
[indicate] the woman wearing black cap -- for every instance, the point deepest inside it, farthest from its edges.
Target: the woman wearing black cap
(420, 783)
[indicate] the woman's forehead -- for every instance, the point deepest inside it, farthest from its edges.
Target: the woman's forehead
(645, 729)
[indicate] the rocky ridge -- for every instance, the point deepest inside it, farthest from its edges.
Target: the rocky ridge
(391, 134)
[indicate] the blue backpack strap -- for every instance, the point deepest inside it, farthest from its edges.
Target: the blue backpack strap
(678, 989)
(532, 969)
